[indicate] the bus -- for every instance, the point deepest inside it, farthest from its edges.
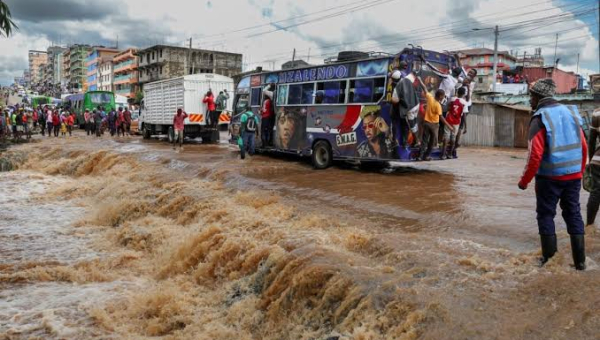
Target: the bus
(342, 110)
(89, 101)
(41, 101)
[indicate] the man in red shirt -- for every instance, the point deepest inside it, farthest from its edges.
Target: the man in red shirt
(557, 158)
(127, 122)
(209, 100)
(178, 127)
(267, 117)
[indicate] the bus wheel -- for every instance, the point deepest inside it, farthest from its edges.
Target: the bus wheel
(171, 134)
(147, 133)
(321, 155)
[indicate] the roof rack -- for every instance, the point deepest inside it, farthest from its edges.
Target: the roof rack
(355, 55)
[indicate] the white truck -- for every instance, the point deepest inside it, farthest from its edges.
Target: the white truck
(163, 98)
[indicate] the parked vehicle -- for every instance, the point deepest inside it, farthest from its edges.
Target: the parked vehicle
(163, 98)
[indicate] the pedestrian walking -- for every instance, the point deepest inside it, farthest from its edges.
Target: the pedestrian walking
(97, 122)
(49, 119)
(178, 127)
(42, 121)
(87, 117)
(112, 123)
(70, 123)
(56, 123)
(248, 129)
(127, 121)
(557, 158)
(120, 123)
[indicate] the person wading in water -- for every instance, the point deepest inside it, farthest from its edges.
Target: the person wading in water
(557, 158)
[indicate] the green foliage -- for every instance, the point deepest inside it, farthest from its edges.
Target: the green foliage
(7, 26)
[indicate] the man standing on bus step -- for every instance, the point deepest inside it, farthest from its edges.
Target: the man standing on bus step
(433, 115)
(267, 117)
(179, 127)
(248, 130)
(557, 158)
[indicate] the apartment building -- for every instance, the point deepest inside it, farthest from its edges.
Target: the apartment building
(105, 76)
(95, 58)
(125, 69)
(161, 62)
(36, 59)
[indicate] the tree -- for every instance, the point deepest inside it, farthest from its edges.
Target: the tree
(7, 26)
(139, 96)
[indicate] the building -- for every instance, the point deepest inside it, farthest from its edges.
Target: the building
(482, 59)
(566, 82)
(294, 64)
(533, 60)
(125, 69)
(105, 76)
(54, 65)
(27, 77)
(36, 58)
(164, 62)
(95, 58)
(75, 71)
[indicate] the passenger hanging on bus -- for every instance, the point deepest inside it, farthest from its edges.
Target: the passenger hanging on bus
(457, 109)
(469, 85)
(405, 114)
(267, 116)
(248, 130)
(433, 116)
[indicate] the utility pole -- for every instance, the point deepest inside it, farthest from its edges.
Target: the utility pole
(294, 59)
(524, 57)
(555, 48)
(577, 64)
(496, 34)
(308, 57)
(190, 58)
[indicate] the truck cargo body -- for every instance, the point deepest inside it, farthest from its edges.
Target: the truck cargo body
(163, 98)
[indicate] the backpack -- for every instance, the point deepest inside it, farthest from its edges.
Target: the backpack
(251, 122)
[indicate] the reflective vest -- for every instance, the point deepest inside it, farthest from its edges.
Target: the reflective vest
(563, 154)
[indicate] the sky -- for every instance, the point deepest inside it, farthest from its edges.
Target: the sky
(266, 32)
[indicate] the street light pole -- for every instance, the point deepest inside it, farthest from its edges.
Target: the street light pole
(496, 34)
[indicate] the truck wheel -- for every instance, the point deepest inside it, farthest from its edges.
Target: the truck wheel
(171, 134)
(146, 132)
(322, 156)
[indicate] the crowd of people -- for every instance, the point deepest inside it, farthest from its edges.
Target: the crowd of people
(19, 122)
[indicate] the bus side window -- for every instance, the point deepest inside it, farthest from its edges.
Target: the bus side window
(256, 96)
(379, 89)
(331, 92)
(282, 95)
(301, 94)
(366, 90)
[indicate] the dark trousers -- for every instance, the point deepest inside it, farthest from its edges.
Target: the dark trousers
(266, 131)
(549, 193)
(594, 201)
(56, 130)
(214, 118)
(430, 134)
(50, 128)
(248, 138)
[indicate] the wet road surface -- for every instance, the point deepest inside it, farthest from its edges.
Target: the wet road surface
(126, 238)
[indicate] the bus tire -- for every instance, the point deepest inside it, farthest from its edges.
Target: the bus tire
(322, 157)
(171, 134)
(146, 132)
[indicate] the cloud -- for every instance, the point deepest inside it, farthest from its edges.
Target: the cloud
(12, 66)
(57, 10)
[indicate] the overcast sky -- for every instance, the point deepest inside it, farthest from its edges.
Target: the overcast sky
(267, 31)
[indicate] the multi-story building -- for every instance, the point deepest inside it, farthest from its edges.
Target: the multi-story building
(566, 82)
(54, 66)
(164, 62)
(482, 59)
(125, 69)
(75, 74)
(36, 58)
(105, 76)
(27, 77)
(95, 58)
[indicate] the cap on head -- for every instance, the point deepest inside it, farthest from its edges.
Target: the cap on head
(544, 88)
(396, 75)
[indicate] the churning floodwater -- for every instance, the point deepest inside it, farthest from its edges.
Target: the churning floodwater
(128, 239)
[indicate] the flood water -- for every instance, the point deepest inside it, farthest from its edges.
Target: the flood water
(128, 239)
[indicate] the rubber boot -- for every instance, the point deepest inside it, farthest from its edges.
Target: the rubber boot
(549, 247)
(592, 209)
(578, 250)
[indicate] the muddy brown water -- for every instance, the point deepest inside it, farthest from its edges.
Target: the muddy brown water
(126, 238)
